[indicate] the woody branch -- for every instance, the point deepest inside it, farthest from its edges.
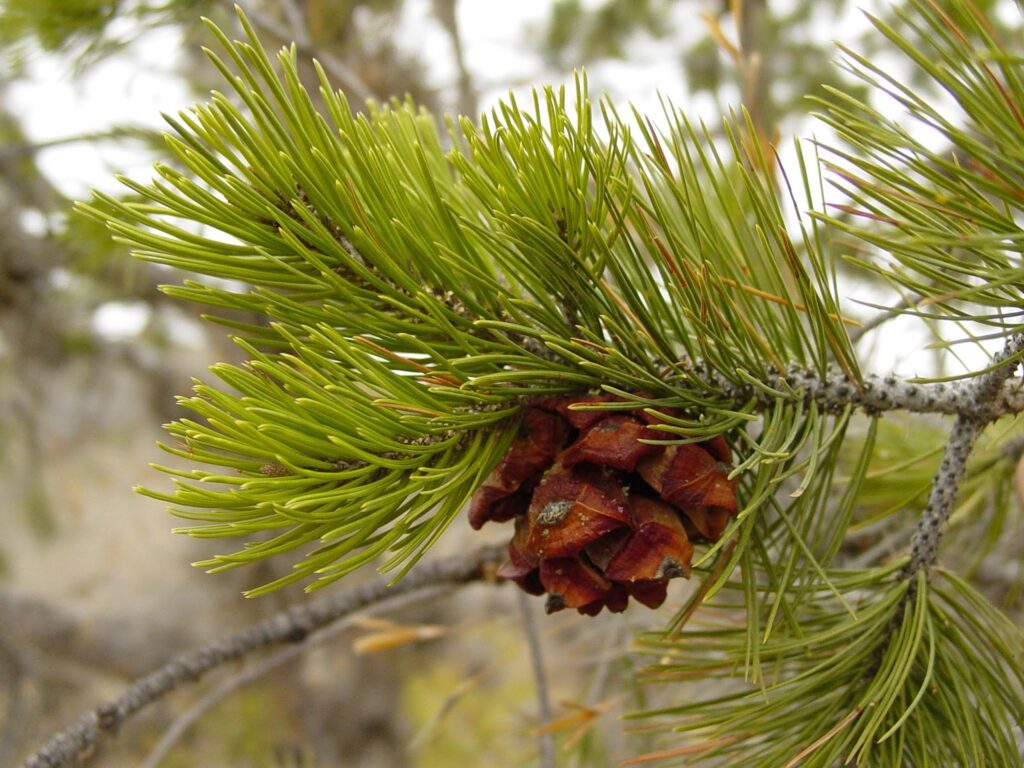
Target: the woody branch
(989, 389)
(975, 403)
(77, 743)
(877, 393)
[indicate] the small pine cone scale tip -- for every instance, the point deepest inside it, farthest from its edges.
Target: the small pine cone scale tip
(601, 517)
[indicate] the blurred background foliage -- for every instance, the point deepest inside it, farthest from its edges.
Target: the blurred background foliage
(82, 388)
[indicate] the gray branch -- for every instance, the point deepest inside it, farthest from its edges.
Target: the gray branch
(80, 741)
(269, 663)
(983, 398)
(546, 739)
(992, 388)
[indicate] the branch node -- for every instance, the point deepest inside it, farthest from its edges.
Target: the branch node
(108, 718)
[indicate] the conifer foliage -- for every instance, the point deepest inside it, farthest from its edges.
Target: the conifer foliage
(622, 338)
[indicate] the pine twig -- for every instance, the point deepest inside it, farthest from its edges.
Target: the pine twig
(968, 426)
(876, 393)
(546, 739)
(80, 741)
(265, 666)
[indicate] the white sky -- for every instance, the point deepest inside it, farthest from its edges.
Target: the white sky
(132, 88)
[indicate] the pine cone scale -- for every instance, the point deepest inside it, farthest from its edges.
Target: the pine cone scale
(600, 516)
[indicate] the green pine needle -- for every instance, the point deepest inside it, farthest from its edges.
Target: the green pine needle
(922, 674)
(942, 220)
(411, 289)
(401, 288)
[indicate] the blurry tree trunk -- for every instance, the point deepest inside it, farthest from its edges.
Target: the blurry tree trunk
(756, 70)
(447, 13)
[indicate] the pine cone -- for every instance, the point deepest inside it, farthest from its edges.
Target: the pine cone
(599, 516)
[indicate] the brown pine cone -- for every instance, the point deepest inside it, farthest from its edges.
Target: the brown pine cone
(600, 516)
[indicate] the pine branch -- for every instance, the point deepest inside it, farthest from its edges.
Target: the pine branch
(399, 349)
(181, 723)
(78, 742)
(944, 221)
(545, 738)
(418, 296)
(965, 432)
(874, 393)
